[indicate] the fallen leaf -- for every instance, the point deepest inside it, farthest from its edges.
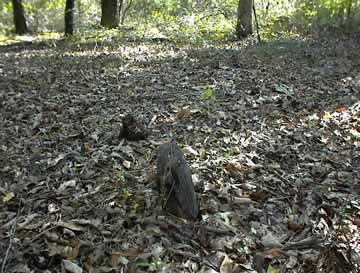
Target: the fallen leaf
(227, 265)
(71, 267)
(184, 114)
(71, 226)
(118, 258)
(259, 196)
(294, 226)
(130, 252)
(67, 184)
(54, 162)
(8, 196)
(356, 222)
(272, 253)
(190, 150)
(269, 240)
(241, 200)
(235, 171)
(73, 250)
(339, 109)
(127, 164)
(326, 116)
(272, 269)
(52, 208)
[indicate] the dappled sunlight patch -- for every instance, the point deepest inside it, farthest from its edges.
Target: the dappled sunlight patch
(5, 40)
(30, 39)
(342, 124)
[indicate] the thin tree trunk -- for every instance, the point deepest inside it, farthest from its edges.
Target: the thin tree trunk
(69, 17)
(257, 24)
(121, 5)
(244, 20)
(184, 6)
(109, 13)
(348, 15)
(125, 11)
(19, 17)
(79, 13)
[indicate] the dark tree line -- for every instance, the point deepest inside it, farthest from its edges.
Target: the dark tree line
(69, 17)
(110, 16)
(109, 13)
(244, 18)
(19, 17)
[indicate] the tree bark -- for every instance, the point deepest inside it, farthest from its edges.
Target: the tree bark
(244, 19)
(69, 17)
(348, 15)
(120, 10)
(19, 17)
(184, 6)
(109, 13)
(124, 12)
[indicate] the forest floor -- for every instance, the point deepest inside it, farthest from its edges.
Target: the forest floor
(271, 133)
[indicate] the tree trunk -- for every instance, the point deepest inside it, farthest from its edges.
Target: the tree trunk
(19, 17)
(125, 10)
(244, 20)
(184, 6)
(120, 10)
(69, 17)
(348, 15)
(109, 13)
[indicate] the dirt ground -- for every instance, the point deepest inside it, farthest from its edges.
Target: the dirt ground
(271, 133)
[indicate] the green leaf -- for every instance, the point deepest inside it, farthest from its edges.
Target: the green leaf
(207, 94)
(272, 270)
(282, 88)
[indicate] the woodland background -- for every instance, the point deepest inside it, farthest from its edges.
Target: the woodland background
(188, 20)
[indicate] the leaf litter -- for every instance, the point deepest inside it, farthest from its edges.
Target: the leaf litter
(272, 138)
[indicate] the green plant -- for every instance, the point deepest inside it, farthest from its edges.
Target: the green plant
(208, 94)
(229, 154)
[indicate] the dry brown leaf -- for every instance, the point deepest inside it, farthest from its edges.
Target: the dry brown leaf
(235, 171)
(294, 226)
(259, 196)
(74, 251)
(130, 252)
(227, 265)
(184, 114)
(86, 148)
(117, 258)
(356, 222)
(339, 109)
(272, 253)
